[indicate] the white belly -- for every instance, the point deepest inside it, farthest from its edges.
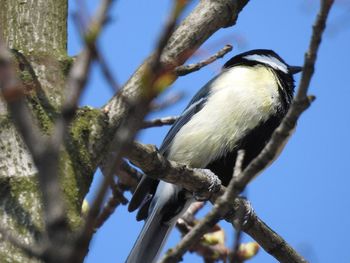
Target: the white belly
(243, 97)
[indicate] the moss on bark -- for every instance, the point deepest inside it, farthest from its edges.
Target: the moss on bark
(36, 32)
(34, 26)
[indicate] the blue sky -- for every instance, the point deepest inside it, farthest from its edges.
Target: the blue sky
(304, 194)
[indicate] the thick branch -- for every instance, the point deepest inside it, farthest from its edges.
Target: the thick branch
(156, 166)
(280, 136)
(123, 137)
(78, 76)
(268, 239)
(208, 17)
(220, 209)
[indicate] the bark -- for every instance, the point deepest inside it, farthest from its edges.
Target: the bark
(208, 17)
(36, 32)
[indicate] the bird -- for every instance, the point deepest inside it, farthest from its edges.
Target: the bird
(236, 110)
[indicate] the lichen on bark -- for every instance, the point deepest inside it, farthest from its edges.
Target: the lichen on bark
(34, 26)
(36, 32)
(20, 213)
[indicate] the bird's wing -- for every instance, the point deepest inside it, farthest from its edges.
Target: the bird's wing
(193, 107)
(145, 190)
(183, 119)
(142, 196)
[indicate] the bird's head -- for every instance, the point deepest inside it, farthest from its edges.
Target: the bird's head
(264, 57)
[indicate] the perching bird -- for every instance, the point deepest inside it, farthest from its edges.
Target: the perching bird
(238, 109)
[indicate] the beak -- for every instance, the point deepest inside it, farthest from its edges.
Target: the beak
(295, 69)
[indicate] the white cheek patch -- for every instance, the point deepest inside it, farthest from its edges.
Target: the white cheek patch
(269, 60)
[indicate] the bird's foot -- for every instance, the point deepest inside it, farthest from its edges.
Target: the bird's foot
(242, 212)
(215, 185)
(248, 211)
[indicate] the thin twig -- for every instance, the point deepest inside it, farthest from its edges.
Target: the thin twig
(238, 183)
(192, 211)
(113, 202)
(122, 139)
(156, 65)
(109, 76)
(167, 102)
(299, 105)
(78, 74)
(234, 257)
(239, 215)
(159, 122)
(76, 81)
(268, 239)
(79, 19)
(211, 247)
(85, 234)
(187, 69)
(156, 166)
(128, 176)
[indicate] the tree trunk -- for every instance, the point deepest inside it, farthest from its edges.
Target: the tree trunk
(36, 32)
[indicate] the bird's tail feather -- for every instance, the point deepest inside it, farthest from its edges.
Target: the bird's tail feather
(151, 240)
(157, 226)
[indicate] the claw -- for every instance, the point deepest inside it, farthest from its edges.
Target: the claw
(249, 210)
(242, 213)
(215, 185)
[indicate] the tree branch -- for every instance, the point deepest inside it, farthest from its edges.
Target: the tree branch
(212, 245)
(156, 166)
(220, 209)
(268, 239)
(79, 72)
(204, 20)
(300, 103)
(168, 101)
(159, 122)
(187, 69)
(128, 176)
(113, 202)
(137, 109)
(46, 150)
(278, 139)
(80, 21)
